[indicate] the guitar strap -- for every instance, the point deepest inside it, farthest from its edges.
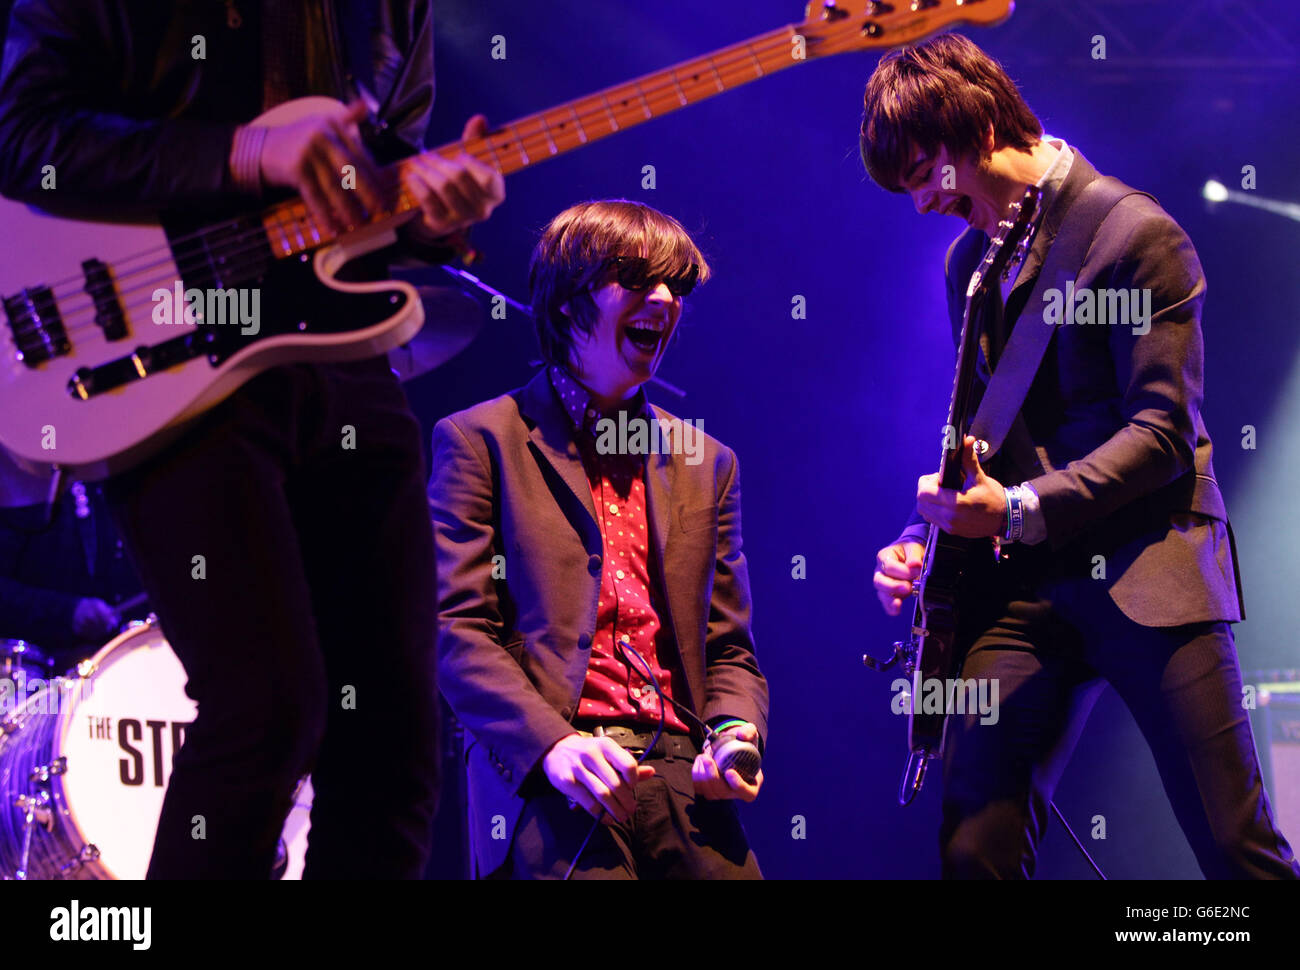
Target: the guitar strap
(1019, 361)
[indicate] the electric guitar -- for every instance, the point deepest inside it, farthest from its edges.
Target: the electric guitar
(116, 335)
(929, 657)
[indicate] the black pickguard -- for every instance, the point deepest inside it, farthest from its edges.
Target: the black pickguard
(291, 300)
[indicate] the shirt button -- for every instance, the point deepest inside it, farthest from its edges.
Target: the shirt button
(613, 508)
(636, 691)
(625, 638)
(618, 574)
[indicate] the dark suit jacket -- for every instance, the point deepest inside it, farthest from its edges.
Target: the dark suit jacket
(508, 481)
(111, 93)
(1115, 419)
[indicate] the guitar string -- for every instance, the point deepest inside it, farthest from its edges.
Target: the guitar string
(239, 261)
(745, 54)
(540, 132)
(526, 142)
(753, 51)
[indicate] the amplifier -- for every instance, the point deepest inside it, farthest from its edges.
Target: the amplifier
(1276, 722)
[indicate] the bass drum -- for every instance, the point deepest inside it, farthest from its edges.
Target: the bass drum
(84, 763)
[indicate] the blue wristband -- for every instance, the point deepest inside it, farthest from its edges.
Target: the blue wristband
(1015, 515)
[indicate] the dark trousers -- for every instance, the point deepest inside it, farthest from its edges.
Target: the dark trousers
(306, 630)
(673, 835)
(1051, 642)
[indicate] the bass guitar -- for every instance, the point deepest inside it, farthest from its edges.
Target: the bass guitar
(116, 335)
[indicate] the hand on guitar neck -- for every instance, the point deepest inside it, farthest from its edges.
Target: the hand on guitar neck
(308, 155)
(978, 511)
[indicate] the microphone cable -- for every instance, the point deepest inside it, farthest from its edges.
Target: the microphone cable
(709, 733)
(627, 647)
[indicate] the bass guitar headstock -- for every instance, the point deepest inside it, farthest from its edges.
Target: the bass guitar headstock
(837, 26)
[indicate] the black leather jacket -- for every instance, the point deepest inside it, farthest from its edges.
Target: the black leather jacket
(110, 94)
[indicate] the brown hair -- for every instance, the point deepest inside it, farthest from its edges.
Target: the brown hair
(947, 92)
(573, 255)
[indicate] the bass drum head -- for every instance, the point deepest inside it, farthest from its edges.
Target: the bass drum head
(119, 739)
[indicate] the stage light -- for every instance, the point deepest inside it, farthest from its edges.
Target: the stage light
(1218, 192)
(1215, 191)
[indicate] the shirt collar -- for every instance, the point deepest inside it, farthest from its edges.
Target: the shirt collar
(576, 400)
(1049, 185)
(1054, 177)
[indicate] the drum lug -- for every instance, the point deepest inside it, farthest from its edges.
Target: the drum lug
(37, 809)
(43, 773)
(150, 621)
(89, 853)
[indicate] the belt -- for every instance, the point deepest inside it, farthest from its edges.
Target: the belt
(668, 745)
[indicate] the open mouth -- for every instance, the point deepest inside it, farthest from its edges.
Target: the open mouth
(961, 208)
(644, 335)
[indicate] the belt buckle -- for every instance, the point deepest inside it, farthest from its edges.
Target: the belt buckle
(600, 732)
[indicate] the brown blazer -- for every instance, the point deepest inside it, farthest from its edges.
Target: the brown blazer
(508, 481)
(1115, 419)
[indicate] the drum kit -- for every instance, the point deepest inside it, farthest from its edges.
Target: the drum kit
(85, 758)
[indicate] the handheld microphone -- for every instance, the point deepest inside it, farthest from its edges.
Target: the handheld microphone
(729, 751)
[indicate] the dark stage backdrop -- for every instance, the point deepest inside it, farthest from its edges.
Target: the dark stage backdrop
(834, 415)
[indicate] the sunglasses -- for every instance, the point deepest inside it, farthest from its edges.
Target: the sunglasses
(633, 273)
